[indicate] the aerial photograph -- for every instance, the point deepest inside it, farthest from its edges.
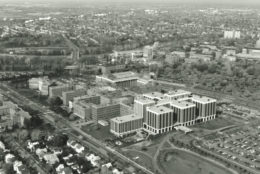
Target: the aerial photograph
(129, 86)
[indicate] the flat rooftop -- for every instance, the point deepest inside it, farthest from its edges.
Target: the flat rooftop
(202, 99)
(178, 93)
(182, 104)
(122, 75)
(143, 100)
(154, 95)
(159, 109)
(83, 104)
(126, 118)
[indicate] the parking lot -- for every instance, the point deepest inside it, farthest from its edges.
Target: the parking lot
(239, 144)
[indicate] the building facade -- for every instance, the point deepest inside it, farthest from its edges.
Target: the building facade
(121, 126)
(206, 108)
(140, 106)
(82, 109)
(184, 113)
(122, 79)
(69, 95)
(56, 91)
(105, 111)
(159, 119)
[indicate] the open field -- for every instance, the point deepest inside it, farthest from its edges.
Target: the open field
(141, 158)
(101, 133)
(215, 124)
(181, 162)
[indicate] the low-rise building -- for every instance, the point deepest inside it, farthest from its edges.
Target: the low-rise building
(68, 96)
(56, 91)
(124, 125)
(174, 95)
(156, 96)
(122, 79)
(10, 115)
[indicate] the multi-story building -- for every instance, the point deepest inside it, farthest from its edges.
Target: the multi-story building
(183, 112)
(122, 79)
(44, 86)
(10, 115)
(148, 52)
(140, 106)
(232, 34)
(82, 105)
(105, 111)
(121, 126)
(82, 109)
(156, 96)
(34, 83)
(205, 108)
(68, 96)
(56, 91)
(159, 119)
(174, 95)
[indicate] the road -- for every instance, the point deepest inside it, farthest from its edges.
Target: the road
(91, 142)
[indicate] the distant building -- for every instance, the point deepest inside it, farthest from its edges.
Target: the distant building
(41, 84)
(140, 106)
(82, 109)
(174, 95)
(148, 52)
(122, 79)
(107, 69)
(10, 115)
(175, 57)
(105, 111)
(34, 83)
(257, 45)
(156, 96)
(56, 91)
(82, 106)
(232, 34)
(69, 95)
(121, 126)
(44, 86)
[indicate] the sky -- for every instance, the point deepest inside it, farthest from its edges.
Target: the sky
(193, 1)
(235, 2)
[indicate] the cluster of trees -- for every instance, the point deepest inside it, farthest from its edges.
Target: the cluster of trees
(236, 78)
(11, 63)
(30, 40)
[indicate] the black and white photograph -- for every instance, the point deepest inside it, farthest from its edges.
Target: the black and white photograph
(129, 86)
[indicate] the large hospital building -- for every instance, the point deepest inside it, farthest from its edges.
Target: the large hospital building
(164, 112)
(122, 79)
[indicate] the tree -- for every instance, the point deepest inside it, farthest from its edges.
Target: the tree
(60, 140)
(8, 168)
(23, 135)
(34, 122)
(55, 101)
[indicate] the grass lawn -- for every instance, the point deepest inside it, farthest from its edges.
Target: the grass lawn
(140, 158)
(180, 162)
(215, 124)
(102, 133)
